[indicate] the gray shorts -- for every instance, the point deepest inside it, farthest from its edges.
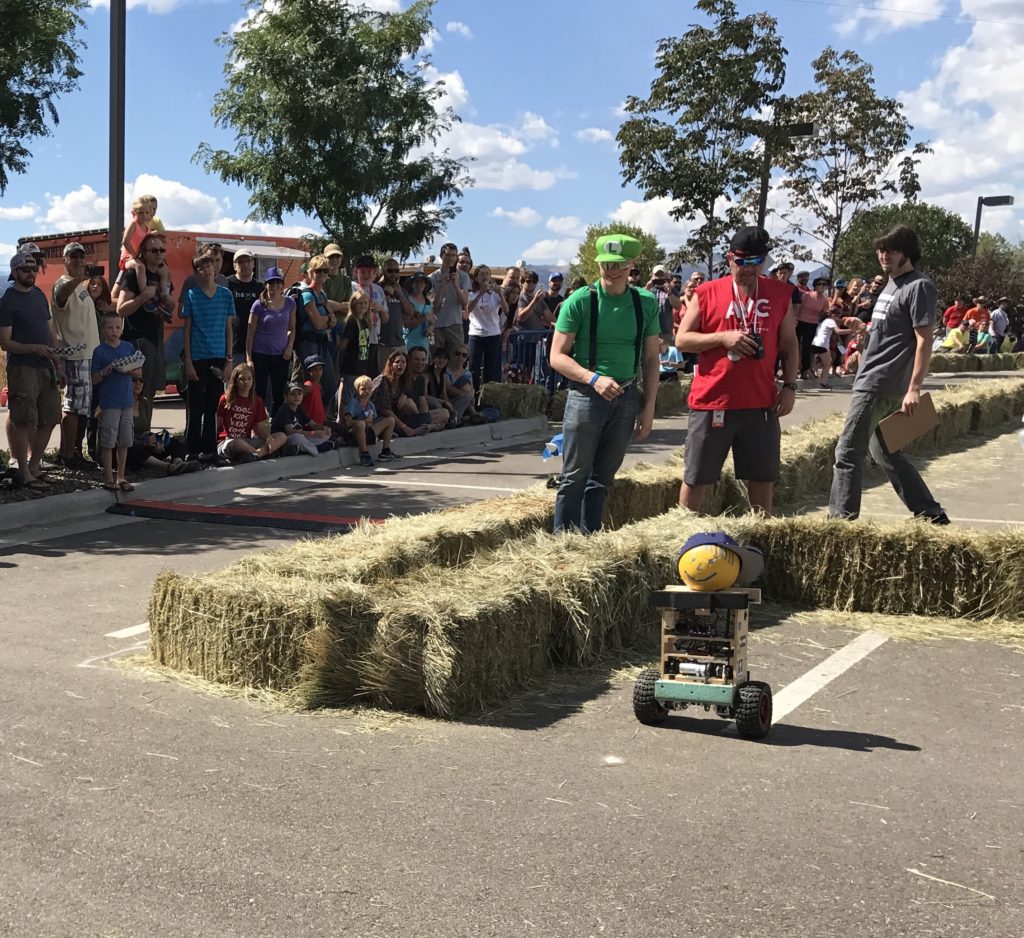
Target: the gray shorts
(116, 428)
(752, 435)
(78, 386)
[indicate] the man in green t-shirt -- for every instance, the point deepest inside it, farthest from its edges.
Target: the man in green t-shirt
(602, 357)
(339, 283)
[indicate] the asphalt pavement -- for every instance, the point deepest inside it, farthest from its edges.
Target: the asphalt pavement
(886, 801)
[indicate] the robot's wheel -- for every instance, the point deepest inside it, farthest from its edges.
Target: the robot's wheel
(645, 707)
(754, 710)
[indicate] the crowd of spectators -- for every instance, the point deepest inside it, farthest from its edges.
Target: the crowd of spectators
(272, 368)
(268, 368)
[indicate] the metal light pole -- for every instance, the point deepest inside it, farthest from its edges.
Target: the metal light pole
(115, 217)
(982, 201)
(775, 136)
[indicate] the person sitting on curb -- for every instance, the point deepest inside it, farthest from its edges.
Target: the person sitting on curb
(303, 435)
(242, 421)
(392, 397)
(365, 425)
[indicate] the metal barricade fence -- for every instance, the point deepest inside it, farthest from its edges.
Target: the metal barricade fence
(529, 349)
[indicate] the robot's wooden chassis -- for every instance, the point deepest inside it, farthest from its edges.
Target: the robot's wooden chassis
(704, 660)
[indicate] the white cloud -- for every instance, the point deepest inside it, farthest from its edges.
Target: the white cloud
(461, 28)
(152, 6)
(524, 217)
(431, 39)
(568, 225)
(620, 109)
(482, 142)
(534, 127)
(7, 251)
(19, 212)
(883, 16)
(556, 251)
(513, 174)
(80, 209)
(653, 216)
(181, 207)
(595, 135)
(454, 94)
(972, 109)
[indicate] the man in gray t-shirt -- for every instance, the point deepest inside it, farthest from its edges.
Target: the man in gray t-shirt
(895, 362)
(449, 287)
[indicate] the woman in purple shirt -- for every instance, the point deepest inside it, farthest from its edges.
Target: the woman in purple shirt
(271, 338)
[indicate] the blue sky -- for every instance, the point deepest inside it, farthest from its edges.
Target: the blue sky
(539, 87)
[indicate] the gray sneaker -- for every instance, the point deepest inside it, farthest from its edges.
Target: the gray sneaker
(365, 459)
(388, 455)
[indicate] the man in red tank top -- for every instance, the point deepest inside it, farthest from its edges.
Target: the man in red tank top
(739, 325)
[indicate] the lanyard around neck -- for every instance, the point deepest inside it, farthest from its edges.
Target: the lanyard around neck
(745, 313)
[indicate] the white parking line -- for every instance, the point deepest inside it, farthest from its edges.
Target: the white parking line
(423, 484)
(91, 662)
(806, 686)
(129, 632)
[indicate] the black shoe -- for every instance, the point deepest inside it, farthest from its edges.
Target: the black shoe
(941, 518)
(290, 449)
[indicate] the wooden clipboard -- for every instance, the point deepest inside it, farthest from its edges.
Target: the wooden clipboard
(898, 429)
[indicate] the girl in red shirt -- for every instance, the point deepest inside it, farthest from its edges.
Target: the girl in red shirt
(243, 428)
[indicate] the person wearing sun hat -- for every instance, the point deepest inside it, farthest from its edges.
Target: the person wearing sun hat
(604, 335)
(739, 325)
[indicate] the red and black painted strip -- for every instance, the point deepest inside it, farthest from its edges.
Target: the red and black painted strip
(230, 514)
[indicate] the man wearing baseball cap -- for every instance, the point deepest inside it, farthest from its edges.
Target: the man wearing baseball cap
(245, 288)
(739, 325)
(602, 337)
(668, 301)
(339, 284)
(28, 337)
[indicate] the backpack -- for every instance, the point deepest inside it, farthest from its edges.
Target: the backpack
(301, 319)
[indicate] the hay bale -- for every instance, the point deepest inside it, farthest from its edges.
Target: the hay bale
(515, 400)
(216, 628)
(448, 538)
(379, 616)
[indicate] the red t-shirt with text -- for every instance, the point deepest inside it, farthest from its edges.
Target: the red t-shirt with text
(240, 420)
(313, 403)
(720, 384)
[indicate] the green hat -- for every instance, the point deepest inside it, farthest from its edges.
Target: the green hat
(617, 248)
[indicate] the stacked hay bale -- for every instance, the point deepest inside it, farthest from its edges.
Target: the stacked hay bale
(453, 611)
(948, 363)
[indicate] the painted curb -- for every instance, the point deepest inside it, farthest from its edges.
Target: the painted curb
(73, 506)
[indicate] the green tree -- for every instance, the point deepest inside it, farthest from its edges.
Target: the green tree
(945, 236)
(854, 160)
(586, 267)
(334, 118)
(993, 274)
(690, 138)
(38, 61)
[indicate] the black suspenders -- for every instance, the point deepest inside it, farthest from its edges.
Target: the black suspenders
(638, 345)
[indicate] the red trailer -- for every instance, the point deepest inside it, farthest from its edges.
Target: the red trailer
(286, 253)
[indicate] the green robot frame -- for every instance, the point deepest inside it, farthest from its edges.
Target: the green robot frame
(704, 660)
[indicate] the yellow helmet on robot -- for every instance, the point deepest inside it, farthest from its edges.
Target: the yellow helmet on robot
(712, 560)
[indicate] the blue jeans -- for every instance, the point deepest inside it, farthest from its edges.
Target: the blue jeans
(596, 433)
(860, 437)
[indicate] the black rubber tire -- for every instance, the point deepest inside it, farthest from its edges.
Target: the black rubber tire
(754, 710)
(645, 708)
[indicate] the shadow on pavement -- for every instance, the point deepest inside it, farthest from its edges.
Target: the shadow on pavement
(784, 734)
